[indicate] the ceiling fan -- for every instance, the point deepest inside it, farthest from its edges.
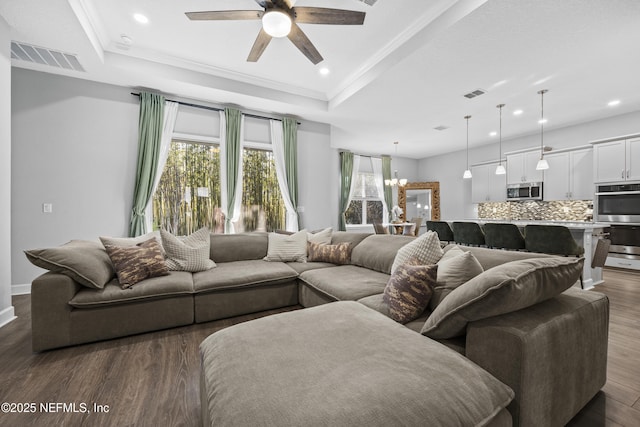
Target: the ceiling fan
(280, 19)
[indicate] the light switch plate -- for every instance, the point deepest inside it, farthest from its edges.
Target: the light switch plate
(47, 208)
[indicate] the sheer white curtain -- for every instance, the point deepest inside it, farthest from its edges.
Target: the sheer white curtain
(376, 165)
(170, 114)
(354, 177)
(224, 196)
(277, 142)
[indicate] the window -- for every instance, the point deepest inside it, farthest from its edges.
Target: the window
(188, 195)
(365, 207)
(263, 208)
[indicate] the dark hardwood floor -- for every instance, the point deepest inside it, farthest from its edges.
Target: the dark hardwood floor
(153, 379)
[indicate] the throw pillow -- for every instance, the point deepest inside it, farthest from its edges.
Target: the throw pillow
(502, 289)
(409, 289)
(335, 254)
(133, 264)
(426, 249)
(132, 241)
(190, 253)
(84, 261)
(292, 248)
(453, 272)
(322, 237)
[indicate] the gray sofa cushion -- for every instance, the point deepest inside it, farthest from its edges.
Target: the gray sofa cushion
(502, 289)
(341, 364)
(238, 247)
(175, 283)
(346, 282)
(84, 261)
(489, 258)
(345, 237)
(301, 267)
(229, 275)
(378, 251)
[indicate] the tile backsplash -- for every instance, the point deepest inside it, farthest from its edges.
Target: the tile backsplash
(566, 210)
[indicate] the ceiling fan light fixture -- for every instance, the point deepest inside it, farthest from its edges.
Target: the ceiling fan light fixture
(276, 23)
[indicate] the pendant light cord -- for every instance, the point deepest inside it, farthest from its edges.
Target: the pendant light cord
(500, 153)
(467, 119)
(542, 92)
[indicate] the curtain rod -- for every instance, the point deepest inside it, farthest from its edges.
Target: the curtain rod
(205, 107)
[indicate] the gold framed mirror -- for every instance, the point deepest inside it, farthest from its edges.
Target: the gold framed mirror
(420, 199)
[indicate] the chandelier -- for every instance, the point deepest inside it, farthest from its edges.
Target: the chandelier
(395, 181)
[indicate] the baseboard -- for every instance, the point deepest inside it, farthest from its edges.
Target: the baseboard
(6, 316)
(21, 289)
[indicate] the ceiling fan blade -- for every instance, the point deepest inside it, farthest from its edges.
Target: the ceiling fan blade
(225, 15)
(264, 3)
(259, 46)
(290, 3)
(303, 43)
(319, 15)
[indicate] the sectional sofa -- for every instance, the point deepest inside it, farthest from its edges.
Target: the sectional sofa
(552, 354)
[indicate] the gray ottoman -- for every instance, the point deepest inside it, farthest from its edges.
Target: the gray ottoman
(342, 364)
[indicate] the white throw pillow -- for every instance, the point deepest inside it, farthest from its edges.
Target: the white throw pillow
(190, 253)
(287, 248)
(426, 249)
(321, 237)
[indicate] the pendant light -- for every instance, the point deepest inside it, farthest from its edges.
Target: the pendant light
(395, 180)
(467, 172)
(542, 163)
(500, 170)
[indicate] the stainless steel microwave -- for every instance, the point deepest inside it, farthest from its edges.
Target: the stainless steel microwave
(618, 203)
(525, 191)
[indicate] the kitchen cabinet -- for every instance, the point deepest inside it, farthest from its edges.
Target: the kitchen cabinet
(486, 186)
(616, 161)
(570, 176)
(521, 167)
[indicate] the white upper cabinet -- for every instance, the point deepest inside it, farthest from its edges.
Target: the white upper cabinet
(617, 160)
(486, 186)
(570, 176)
(521, 167)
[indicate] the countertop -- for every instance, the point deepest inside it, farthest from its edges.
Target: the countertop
(577, 225)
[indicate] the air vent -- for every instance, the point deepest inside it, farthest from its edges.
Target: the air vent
(44, 56)
(369, 2)
(441, 127)
(475, 93)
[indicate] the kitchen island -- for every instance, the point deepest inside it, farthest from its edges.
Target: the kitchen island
(586, 234)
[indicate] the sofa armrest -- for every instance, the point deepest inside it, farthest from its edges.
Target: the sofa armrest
(553, 355)
(50, 310)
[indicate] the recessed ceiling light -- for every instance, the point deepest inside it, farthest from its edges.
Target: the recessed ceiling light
(494, 133)
(324, 71)
(613, 103)
(126, 39)
(140, 18)
(542, 121)
(517, 112)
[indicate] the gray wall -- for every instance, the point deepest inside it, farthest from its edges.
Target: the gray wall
(6, 309)
(75, 146)
(455, 192)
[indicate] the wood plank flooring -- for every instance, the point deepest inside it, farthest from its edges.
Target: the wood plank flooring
(153, 379)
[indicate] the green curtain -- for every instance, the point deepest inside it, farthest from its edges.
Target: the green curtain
(149, 136)
(233, 162)
(346, 171)
(290, 134)
(386, 174)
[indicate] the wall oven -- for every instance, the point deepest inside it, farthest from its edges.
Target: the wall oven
(618, 203)
(528, 191)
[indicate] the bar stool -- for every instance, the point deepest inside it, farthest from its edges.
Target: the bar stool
(442, 229)
(468, 233)
(503, 236)
(552, 239)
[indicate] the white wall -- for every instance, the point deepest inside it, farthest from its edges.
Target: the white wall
(455, 192)
(75, 146)
(6, 309)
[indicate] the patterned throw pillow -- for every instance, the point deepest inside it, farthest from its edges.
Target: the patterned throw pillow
(190, 253)
(287, 248)
(426, 249)
(335, 254)
(133, 264)
(409, 289)
(132, 241)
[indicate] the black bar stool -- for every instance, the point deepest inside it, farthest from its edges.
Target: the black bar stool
(468, 233)
(503, 236)
(442, 228)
